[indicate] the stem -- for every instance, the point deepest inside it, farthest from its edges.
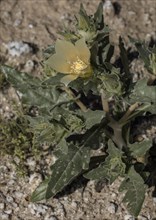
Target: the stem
(78, 102)
(128, 113)
(117, 136)
(104, 102)
(118, 125)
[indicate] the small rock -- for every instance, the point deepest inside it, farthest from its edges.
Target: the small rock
(30, 26)
(4, 216)
(74, 205)
(51, 218)
(107, 4)
(141, 217)
(3, 168)
(154, 199)
(112, 208)
(28, 68)
(15, 205)
(41, 209)
(18, 195)
(32, 208)
(129, 217)
(114, 195)
(8, 211)
(16, 48)
(11, 182)
(33, 177)
(2, 206)
(9, 199)
(17, 22)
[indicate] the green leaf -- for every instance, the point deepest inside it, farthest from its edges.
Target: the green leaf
(94, 136)
(105, 49)
(69, 119)
(65, 169)
(85, 85)
(19, 79)
(68, 35)
(143, 93)
(35, 92)
(93, 117)
(111, 83)
(138, 111)
(68, 165)
(143, 51)
(63, 146)
(139, 149)
(50, 50)
(124, 58)
(111, 168)
(40, 192)
(53, 80)
(46, 130)
(127, 77)
(56, 127)
(147, 54)
(152, 108)
(83, 19)
(30, 88)
(98, 17)
(135, 195)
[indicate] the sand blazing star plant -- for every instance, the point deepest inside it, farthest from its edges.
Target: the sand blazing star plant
(86, 104)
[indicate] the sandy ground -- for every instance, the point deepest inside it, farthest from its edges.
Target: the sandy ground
(36, 23)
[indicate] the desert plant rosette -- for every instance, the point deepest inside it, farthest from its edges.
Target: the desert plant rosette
(86, 106)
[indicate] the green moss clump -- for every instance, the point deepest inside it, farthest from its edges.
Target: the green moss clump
(16, 141)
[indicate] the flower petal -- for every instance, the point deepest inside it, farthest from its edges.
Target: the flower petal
(69, 78)
(83, 50)
(58, 63)
(66, 49)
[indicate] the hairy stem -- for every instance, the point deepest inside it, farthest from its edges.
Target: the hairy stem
(78, 102)
(104, 102)
(128, 113)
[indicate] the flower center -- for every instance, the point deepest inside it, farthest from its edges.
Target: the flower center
(78, 66)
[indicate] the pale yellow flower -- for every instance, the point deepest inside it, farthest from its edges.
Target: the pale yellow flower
(71, 59)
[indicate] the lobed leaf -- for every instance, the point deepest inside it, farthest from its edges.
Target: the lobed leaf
(143, 93)
(68, 166)
(93, 117)
(111, 168)
(139, 149)
(98, 17)
(135, 195)
(65, 169)
(30, 88)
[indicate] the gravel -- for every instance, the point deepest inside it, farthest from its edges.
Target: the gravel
(78, 202)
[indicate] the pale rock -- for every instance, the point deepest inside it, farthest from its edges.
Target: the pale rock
(141, 217)
(51, 218)
(29, 66)
(18, 195)
(9, 199)
(112, 208)
(16, 48)
(8, 211)
(154, 199)
(4, 216)
(129, 217)
(2, 206)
